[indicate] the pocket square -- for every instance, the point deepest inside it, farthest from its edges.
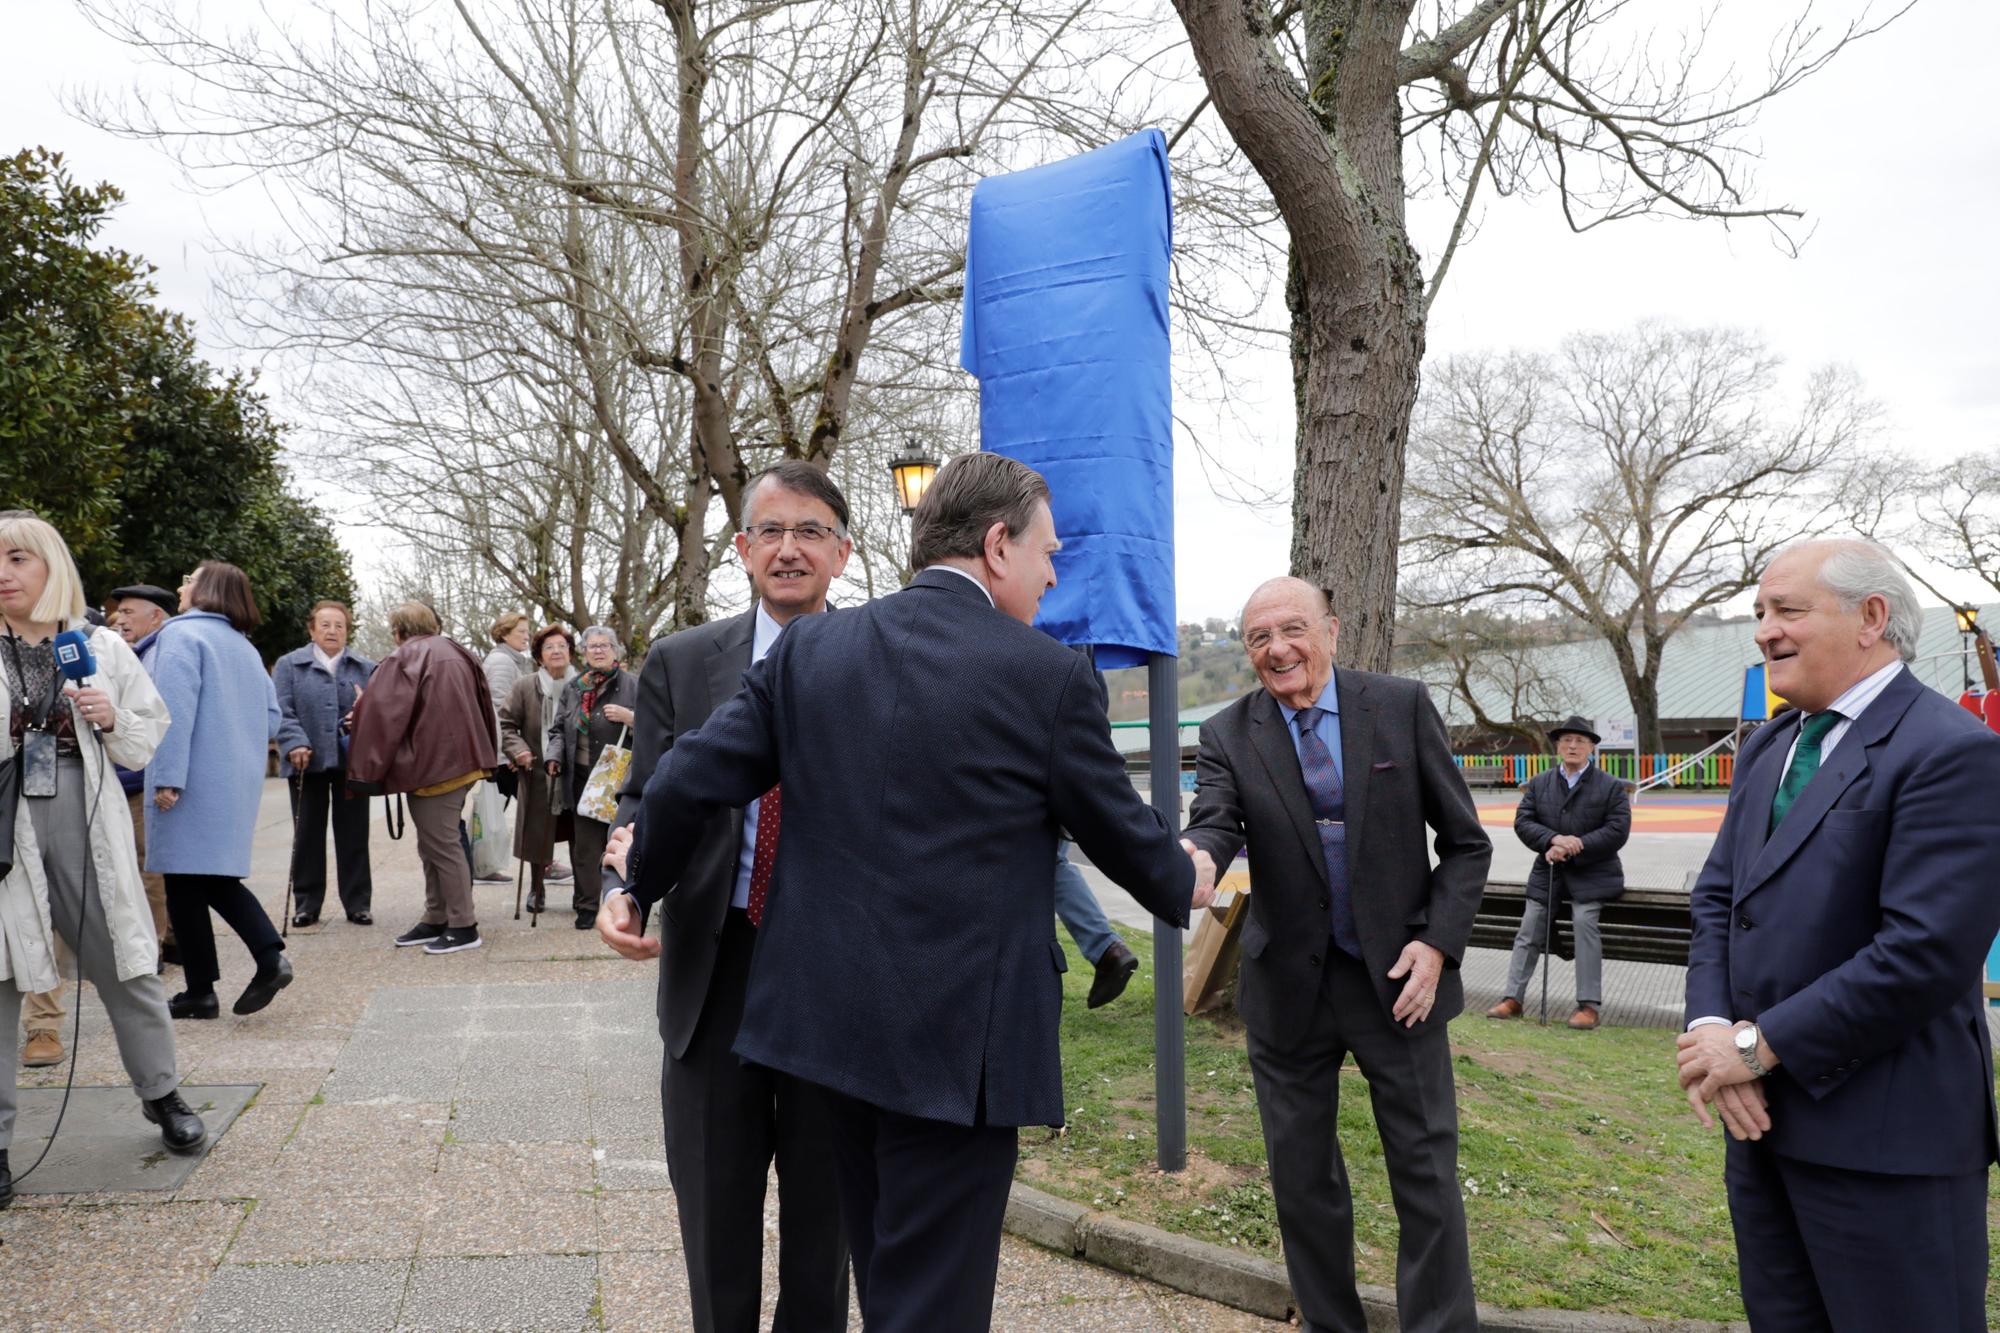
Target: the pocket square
(1382, 767)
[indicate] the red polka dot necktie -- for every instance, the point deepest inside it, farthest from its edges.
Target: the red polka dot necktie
(764, 854)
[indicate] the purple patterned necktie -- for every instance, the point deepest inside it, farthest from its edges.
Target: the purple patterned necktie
(1329, 807)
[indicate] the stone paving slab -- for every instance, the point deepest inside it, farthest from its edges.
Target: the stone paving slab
(104, 1142)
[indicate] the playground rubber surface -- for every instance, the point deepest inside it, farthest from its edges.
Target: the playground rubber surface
(1674, 812)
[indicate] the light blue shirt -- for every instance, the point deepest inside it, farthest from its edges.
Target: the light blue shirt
(761, 639)
(1569, 778)
(1327, 727)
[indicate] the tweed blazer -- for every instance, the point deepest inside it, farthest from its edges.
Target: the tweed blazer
(1399, 777)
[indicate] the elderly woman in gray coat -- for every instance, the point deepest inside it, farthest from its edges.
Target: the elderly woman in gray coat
(317, 686)
(525, 714)
(595, 708)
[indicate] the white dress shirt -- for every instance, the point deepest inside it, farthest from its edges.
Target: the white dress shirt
(954, 569)
(1850, 705)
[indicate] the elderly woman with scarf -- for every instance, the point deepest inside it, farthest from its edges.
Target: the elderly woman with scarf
(596, 707)
(525, 714)
(74, 873)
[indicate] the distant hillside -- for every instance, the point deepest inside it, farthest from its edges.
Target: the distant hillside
(1208, 672)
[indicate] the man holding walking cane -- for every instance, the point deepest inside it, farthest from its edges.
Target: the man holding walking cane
(1575, 816)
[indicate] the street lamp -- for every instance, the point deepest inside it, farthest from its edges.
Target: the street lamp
(913, 472)
(1968, 625)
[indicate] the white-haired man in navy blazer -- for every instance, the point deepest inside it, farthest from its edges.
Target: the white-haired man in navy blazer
(1833, 988)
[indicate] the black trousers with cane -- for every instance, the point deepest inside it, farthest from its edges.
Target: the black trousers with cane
(318, 797)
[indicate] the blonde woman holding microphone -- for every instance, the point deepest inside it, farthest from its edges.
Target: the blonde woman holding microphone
(74, 874)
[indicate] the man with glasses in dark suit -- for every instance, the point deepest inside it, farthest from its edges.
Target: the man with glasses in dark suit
(928, 747)
(1353, 944)
(727, 1121)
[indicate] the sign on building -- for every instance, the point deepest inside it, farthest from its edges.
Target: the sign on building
(1620, 733)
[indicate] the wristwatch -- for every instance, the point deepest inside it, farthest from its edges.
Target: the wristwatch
(1746, 1046)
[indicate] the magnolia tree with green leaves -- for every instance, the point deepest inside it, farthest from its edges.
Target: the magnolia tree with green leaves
(145, 457)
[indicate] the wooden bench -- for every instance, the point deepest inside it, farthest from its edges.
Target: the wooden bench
(1483, 776)
(1644, 926)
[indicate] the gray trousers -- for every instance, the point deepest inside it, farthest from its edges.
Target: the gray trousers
(137, 1008)
(1416, 1115)
(1528, 941)
(447, 878)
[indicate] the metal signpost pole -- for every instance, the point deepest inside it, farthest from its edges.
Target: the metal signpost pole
(1163, 693)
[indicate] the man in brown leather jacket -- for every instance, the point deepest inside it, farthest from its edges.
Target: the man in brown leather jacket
(424, 725)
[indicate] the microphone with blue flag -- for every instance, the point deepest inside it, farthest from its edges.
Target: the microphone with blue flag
(75, 660)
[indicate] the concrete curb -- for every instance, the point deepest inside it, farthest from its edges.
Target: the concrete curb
(1259, 1286)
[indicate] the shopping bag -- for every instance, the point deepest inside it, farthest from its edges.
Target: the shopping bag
(607, 778)
(486, 826)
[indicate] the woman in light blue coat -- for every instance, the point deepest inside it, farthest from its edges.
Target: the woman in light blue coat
(204, 784)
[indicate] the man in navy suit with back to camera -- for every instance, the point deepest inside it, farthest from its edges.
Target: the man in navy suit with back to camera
(1833, 988)
(928, 747)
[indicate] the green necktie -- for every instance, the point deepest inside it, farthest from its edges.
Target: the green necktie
(1805, 763)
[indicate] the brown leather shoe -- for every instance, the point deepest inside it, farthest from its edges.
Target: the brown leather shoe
(41, 1050)
(1584, 1019)
(1507, 1008)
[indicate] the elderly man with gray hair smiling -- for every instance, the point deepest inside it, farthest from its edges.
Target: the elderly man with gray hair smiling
(1834, 1012)
(595, 711)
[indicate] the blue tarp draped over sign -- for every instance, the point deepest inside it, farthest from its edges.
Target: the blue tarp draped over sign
(1066, 328)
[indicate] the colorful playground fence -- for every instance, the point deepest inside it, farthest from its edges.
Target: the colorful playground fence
(1515, 769)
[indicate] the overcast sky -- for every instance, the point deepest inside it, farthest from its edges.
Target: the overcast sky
(1890, 150)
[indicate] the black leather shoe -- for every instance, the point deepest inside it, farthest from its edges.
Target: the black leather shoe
(264, 987)
(186, 1005)
(1114, 971)
(361, 918)
(306, 919)
(180, 1127)
(6, 1181)
(587, 920)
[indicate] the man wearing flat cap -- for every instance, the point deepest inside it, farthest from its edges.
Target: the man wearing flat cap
(1575, 816)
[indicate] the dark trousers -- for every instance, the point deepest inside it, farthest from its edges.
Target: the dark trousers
(923, 1201)
(316, 797)
(1410, 1087)
(189, 898)
(726, 1121)
(1827, 1250)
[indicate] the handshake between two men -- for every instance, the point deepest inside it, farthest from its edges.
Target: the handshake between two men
(619, 924)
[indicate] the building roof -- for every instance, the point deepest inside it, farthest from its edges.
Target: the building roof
(1701, 675)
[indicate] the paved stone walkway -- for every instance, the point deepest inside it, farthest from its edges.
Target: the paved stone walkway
(460, 1142)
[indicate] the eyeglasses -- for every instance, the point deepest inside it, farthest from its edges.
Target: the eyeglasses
(806, 534)
(1294, 631)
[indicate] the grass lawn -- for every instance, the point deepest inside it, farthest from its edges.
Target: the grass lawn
(1587, 1184)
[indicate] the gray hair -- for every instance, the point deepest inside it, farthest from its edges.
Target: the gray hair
(1856, 570)
(604, 632)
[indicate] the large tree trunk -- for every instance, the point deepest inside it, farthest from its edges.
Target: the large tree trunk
(1332, 157)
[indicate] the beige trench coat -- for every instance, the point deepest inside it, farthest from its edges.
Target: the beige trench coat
(27, 937)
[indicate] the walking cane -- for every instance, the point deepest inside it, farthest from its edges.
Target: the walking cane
(291, 866)
(519, 866)
(1549, 944)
